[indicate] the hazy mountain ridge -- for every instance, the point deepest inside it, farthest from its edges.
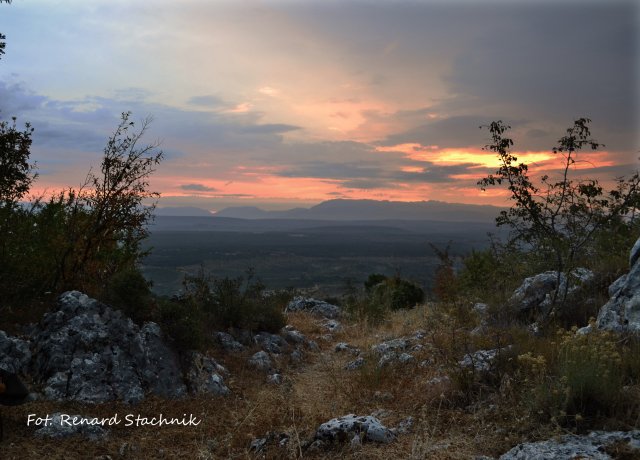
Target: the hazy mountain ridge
(351, 210)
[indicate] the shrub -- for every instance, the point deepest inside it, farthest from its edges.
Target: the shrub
(236, 302)
(130, 292)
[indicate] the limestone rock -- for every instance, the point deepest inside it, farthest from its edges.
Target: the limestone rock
(86, 351)
(344, 428)
(592, 446)
(261, 361)
(622, 312)
(63, 425)
(228, 342)
(14, 354)
(536, 292)
(315, 307)
(205, 375)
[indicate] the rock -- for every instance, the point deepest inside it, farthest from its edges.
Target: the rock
(592, 446)
(481, 360)
(62, 425)
(272, 343)
(344, 428)
(616, 286)
(204, 375)
(274, 379)
(14, 354)
(634, 254)
(260, 361)
(622, 312)
(480, 308)
(536, 292)
(257, 444)
(404, 427)
(293, 336)
(355, 364)
(85, 351)
(297, 355)
(345, 347)
(227, 342)
(332, 326)
(315, 307)
(390, 345)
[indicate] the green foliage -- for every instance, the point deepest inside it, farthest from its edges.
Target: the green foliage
(235, 303)
(183, 323)
(130, 292)
(396, 293)
(381, 294)
(78, 239)
(573, 379)
(560, 220)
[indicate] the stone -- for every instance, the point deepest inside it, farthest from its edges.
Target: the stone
(204, 375)
(622, 312)
(15, 354)
(332, 326)
(404, 426)
(62, 425)
(294, 337)
(272, 343)
(390, 345)
(261, 361)
(355, 364)
(228, 342)
(274, 379)
(315, 307)
(344, 428)
(592, 446)
(536, 292)
(85, 351)
(481, 360)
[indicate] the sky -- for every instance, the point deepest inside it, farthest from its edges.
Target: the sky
(279, 104)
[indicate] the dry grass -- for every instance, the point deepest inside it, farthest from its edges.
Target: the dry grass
(452, 421)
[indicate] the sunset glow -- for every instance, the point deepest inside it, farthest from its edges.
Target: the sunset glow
(290, 103)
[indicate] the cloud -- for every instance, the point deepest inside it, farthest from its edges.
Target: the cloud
(207, 101)
(197, 188)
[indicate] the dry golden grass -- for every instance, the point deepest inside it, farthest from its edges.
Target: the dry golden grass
(451, 421)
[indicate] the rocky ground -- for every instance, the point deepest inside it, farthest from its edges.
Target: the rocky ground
(324, 387)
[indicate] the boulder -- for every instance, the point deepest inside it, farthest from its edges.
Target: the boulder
(481, 360)
(622, 312)
(85, 351)
(593, 446)
(261, 361)
(316, 307)
(204, 375)
(536, 292)
(272, 343)
(228, 342)
(344, 428)
(63, 425)
(14, 354)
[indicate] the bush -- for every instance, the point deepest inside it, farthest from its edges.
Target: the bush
(242, 303)
(396, 293)
(130, 292)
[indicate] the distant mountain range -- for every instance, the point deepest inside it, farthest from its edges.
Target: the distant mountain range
(351, 210)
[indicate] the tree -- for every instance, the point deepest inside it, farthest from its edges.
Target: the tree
(561, 218)
(107, 217)
(16, 173)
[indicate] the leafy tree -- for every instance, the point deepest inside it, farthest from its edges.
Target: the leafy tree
(106, 219)
(16, 173)
(560, 218)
